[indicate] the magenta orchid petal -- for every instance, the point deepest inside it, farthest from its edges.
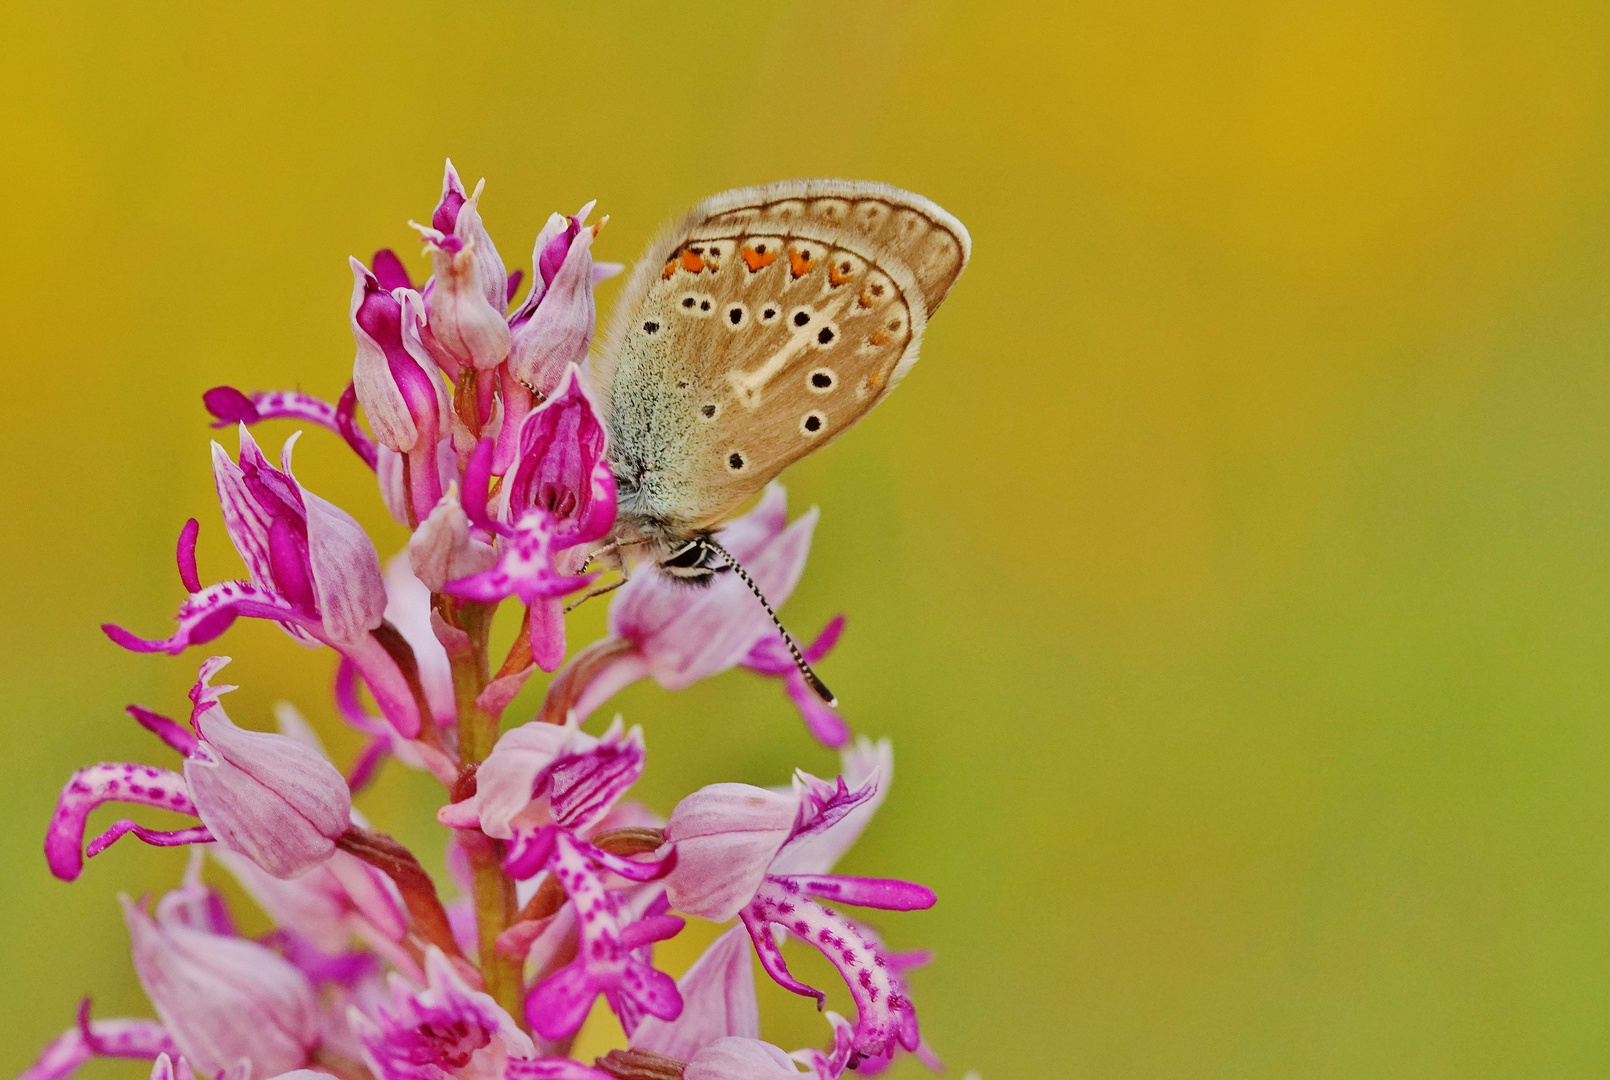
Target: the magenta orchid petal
(347, 582)
(726, 837)
(530, 851)
(205, 615)
(524, 567)
(441, 549)
(154, 837)
(186, 555)
(460, 216)
(885, 1015)
(585, 784)
(390, 271)
(821, 843)
(174, 734)
(771, 955)
(376, 320)
(435, 1032)
(546, 633)
(89, 788)
(203, 983)
(630, 869)
(885, 893)
(465, 326)
(831, 1066)
(562, 466)
(552, 1069)
(651, 929)
(603, 964)
(138, 1039)
(823, 806)
(231, 407)
(718, 1000)
(825, 725)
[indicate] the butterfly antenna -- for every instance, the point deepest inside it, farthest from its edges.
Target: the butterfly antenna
(816, 684)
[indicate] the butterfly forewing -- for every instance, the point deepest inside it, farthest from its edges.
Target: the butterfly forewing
(761, 328)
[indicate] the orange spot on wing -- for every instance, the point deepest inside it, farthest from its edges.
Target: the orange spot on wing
(879, 337)
(836, 278)
(799, 265)
(691, 262)
(756, 261)
(670, 268)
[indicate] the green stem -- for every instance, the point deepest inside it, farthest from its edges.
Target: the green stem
(495, 906)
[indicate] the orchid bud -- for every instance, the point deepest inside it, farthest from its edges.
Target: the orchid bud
(269, 797)
(458, 214)
(463, 327)
(224, 998)
(402, 397)
(555, 324)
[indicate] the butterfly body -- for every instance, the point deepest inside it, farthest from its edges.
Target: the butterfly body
(760, 327)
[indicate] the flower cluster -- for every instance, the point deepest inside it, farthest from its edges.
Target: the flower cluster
(488, 448)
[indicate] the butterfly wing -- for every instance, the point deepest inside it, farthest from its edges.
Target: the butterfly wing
(759, 328)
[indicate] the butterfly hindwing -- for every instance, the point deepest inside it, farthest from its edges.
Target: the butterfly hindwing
(763, 326)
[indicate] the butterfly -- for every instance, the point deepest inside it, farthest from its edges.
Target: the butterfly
(761, 326)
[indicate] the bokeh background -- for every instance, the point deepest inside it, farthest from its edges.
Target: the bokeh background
(1231, 574)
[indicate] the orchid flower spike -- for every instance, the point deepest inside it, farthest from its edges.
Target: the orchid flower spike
(268, 797)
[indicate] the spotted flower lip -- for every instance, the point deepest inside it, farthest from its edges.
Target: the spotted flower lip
(268, 797)
(202, 985)
(764, 856)
(681, 635)
(87, 1039)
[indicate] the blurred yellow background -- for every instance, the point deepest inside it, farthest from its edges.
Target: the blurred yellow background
(1231, 573)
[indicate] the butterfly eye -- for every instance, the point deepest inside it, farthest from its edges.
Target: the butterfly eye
(800, 317)
(827, 335)
(736, 315)
(812, 423)
(651, 327)
(735, 461)
(821, 380)
(768, 314)
(709, 411)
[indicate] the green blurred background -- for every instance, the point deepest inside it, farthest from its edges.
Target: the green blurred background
(1230, 574)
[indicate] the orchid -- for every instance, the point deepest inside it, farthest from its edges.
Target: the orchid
(489, 449)
(661, 629)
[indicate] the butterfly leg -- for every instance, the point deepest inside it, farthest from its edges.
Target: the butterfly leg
(596, 591)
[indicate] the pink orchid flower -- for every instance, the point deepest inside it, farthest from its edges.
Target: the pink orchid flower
(541, 787)
(764, 856)
(679, 635)
(313, 570)
(268, 797)
(558, 494)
